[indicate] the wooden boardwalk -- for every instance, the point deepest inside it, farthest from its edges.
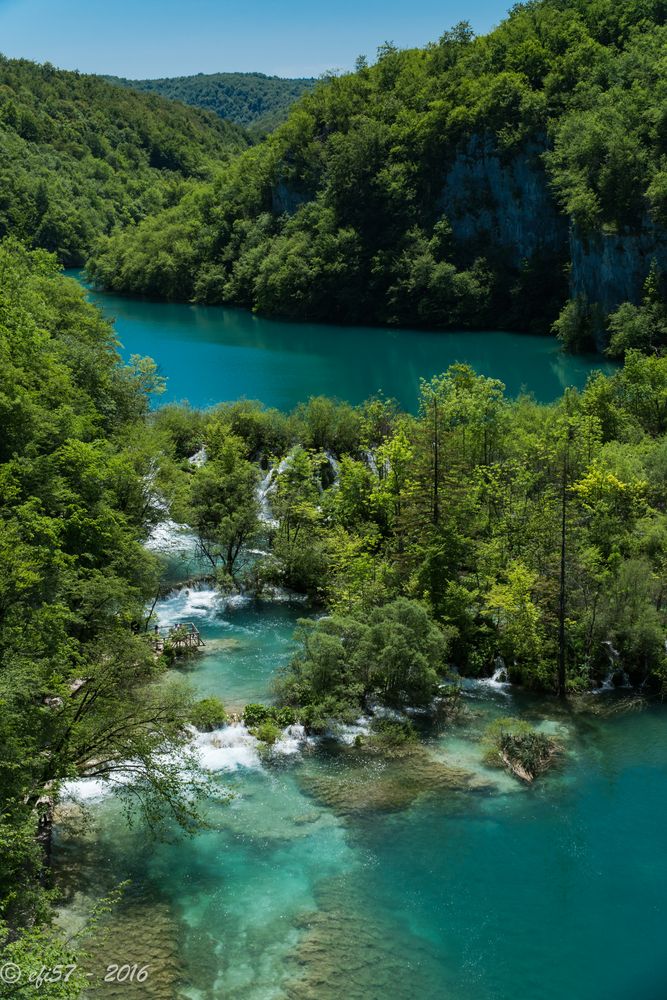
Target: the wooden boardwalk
(181, 637)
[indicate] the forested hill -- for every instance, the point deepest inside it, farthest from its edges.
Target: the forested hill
(79, 156)
(251, 99)
(512, 180)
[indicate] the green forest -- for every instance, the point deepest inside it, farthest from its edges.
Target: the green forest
(79, 157)
(479, 528)
(482, 527)
(254, 100)
(76, 676)
(379, 199)
(512, 181)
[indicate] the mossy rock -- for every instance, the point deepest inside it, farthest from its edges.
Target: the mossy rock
(345, 950)
(385, 785)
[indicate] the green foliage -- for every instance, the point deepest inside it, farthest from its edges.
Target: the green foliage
(459, 511)
(344, 213)
(643, 327)
(80, 156)
(76, 692)
(255, 714)
(267, 732)
(396, 653)
(519, 747)
(223, 505)
(267, 721)
(208, 714)
(578, 325)
(252, 99)
(392, 734)
(517, 617)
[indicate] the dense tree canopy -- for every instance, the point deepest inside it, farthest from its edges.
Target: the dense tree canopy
(79, 156)
(533, 533)
(75, 670)
(406, 192)
(257, 101)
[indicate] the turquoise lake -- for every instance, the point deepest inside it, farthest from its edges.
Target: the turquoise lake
(211, 354)
(332, 875)
(336, 874)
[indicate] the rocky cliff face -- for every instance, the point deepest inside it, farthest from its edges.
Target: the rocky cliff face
(501, 206)
(506, 205)
(286, 198)
(608, 269)
(503, 203)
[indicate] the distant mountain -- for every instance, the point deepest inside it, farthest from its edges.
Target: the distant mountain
(254, 100)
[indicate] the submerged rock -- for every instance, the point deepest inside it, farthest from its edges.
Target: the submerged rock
(370, 783)
(141, 934)
(345, 950)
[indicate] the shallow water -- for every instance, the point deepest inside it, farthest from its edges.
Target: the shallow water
(211, 354)
(334, 873)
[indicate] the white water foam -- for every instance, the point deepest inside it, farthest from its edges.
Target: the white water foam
(85, 790)
(292, 741)
(614, 673)
(334, 466)
(482, 687)
(348, 733)
(228, 749)
(88, 790)
(171, 538)
(264, 490)
(189, 603)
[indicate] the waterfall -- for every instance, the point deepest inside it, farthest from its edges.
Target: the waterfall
(369, 459)
(615, 671)
(334, 466)
(264, 490)
(190, 603)
(500, 674)
(199, 458)
(268, 486)
(498, 682)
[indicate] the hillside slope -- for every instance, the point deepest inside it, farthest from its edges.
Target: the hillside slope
(78, 156)
(254, 100)
(492, 181)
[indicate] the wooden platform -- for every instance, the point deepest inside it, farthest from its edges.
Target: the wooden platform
(181, 637)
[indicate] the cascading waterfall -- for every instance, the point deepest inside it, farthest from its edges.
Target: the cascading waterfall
(500, 674)
(264, 490)
(199, 458)
(615, 672)
(334, 467)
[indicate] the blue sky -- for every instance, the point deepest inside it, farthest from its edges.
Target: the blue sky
(148, 38)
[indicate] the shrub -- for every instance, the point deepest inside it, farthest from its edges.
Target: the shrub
(208, 714)
(267, 732)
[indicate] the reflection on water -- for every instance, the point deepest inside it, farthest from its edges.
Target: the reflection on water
(213, 353)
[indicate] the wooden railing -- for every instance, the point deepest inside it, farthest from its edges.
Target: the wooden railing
(181, 637)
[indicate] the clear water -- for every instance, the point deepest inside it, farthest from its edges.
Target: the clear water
(211, 354)
(333, 874)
